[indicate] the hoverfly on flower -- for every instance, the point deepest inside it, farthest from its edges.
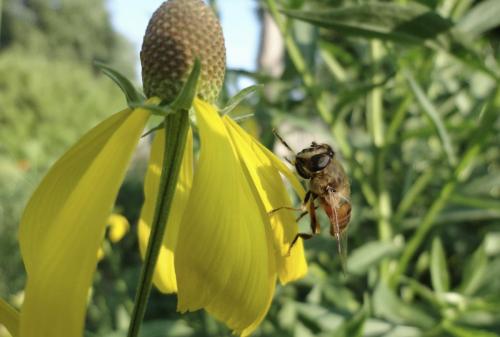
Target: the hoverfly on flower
(329, 184)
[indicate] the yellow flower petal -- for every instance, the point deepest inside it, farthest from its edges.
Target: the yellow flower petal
(118, 227)
(164, 277)
(63, 225)
(272, 193)
(224, 258)
(9, 318)
(290, 176)
(100, 253)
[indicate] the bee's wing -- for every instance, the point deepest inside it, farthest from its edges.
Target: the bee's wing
(342, 249)
(339, 219)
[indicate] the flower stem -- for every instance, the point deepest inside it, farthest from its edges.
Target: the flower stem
(176, 128)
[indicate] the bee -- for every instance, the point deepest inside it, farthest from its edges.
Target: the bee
(329, 187)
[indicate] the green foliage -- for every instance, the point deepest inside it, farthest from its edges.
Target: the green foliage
(408, 94)
(79, 30)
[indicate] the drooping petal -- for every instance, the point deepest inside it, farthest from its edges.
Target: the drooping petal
(224, 258)
(9, 318)
(63, 225)
(271, 191)
(280, 166)
(118, 227)
(164, 277)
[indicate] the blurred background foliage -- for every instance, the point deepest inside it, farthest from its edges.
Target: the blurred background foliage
(406, 92)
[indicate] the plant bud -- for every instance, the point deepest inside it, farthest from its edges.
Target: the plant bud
(179, 32)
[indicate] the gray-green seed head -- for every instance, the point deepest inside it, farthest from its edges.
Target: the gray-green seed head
(177, 33)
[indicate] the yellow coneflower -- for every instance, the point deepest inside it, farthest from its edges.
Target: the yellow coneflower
(221, 251)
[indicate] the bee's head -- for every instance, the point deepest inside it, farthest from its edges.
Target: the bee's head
(313, 159)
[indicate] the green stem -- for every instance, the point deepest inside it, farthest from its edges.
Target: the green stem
(377, 127)
(176, 128)
(412, 194)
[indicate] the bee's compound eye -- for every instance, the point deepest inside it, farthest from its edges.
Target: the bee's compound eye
(320, 161)
(301, 170)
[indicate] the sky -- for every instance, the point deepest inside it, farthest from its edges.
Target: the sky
(238, 18)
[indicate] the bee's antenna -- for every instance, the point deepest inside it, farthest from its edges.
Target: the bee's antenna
(289, 161)
(282, 140)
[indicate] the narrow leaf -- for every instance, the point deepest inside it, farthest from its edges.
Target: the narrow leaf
(410, 23)
(160, 126)
(492, 243)
(439, 269)
(483, 17)
(387, 305)
(239, 97)
(431, 111)
(157, 110)
(353, 327)
(474, 271)
(9, 318)
(185, 99)
(459, 331)
(369, 255)
(128, 89)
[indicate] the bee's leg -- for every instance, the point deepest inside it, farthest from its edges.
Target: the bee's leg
(314, 224)
(301, 216)
(282, 141)
(289, 161)
(314, 220)
(305, 205)
(307, 196)
(284, 207)
(303, 236)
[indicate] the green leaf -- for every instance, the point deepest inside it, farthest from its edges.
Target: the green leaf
(460, 331)
(318, 317)
(9, 318)
(156, 128)
(439, 268)
(369, 255)
(410, 23)
(474, 271)
(128, 89)
(492, 244)
(185, 99)
(483, 17)
(466, 54)
(353, 327)
(387, 305)
(239, 97)
(431, 111)
(157, 110)
(425, 293)
(455, 215)
(243, 118)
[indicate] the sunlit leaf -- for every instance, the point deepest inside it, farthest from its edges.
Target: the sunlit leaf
(439, 268)
(238, 98)
(9, 318)
(485, 15)
(369, 255)
(387, 305)
(474, 271)
(409, 23)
